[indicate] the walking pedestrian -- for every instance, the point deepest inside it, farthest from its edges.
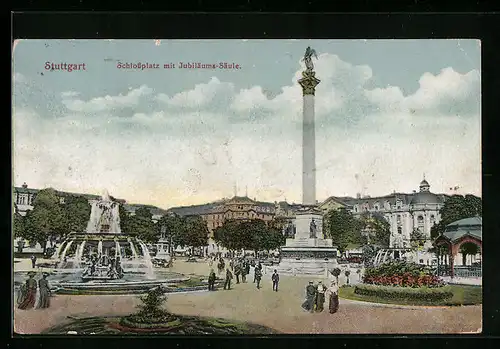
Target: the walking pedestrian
(258, 277)
(33, 261)
(246, 271)
(44, 289)
(320, 298)
(27, 297)
(229, 277)
(333, 295)
(308, 304)
(276, 280)
(237, 272)
(211, 280)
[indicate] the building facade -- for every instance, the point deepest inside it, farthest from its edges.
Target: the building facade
(406, 213)
(236, 208)
(23, 197)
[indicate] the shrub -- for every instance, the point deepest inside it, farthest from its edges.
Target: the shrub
(150, 311)
(403, 274)
(404, 293)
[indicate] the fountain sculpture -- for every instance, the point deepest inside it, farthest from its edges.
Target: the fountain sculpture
(103, 257)
(103, 252)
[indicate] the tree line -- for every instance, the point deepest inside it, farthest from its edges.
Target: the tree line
(255, 235)
(50, 219)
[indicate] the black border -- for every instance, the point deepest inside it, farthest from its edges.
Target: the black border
(273, 26)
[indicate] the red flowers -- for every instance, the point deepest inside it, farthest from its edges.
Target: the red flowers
(404, 281)
(401, 274)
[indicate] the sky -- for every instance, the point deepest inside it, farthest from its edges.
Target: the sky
(387, 112)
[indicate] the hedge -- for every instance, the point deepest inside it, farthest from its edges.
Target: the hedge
(404, 293)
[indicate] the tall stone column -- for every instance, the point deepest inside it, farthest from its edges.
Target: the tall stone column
(308, 83)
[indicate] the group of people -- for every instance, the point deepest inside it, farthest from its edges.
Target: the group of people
(241, 268)
(28, 292)
(316, 296)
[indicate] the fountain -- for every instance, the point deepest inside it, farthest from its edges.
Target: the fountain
(105, 258)
(386, 255)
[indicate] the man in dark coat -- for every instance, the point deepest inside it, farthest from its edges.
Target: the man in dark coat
(258, 276)
(33, 261)
(276, 280)
(246, 271)
(310, 297)
(237, 272)
(229, 277)
(211, 280)
(257, 266)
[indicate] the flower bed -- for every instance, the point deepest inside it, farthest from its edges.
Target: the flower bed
(427, 294)
(401, 274)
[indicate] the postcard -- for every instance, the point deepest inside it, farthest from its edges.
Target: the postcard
(249, 187)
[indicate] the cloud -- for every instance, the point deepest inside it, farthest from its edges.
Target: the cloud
(69, 94)
(447, 93)
(193, 146)
(100, 104)
(201, 95)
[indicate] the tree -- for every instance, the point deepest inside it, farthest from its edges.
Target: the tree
(194, 233)
(253, 234)
(46, 219)
(171, 226)
(272, 239)
(142, 226)
(416, 238)
(455, 208)
(124, 219)
(279, 223)
(343, 228)
(382, 230)
(369, 253)
(18, 224)
(76, 210)
(230, 236)
(262, 237)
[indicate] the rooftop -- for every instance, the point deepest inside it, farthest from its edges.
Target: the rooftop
(471, 226)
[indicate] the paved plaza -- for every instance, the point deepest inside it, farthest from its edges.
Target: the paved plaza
(279, 310)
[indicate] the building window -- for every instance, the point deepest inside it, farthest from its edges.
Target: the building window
(433, 219)
(356, 208)
(376, 207)
(400, 230)
(420, 222)
(399, 219)
(398, 204)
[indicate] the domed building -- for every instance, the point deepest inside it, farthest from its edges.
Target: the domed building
(405, 212)
(424, 211)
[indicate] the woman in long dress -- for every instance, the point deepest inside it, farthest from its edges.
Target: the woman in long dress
(29, 294)
(44, 290)
(333, 295)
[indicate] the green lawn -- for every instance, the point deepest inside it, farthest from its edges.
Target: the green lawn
(462, 295)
